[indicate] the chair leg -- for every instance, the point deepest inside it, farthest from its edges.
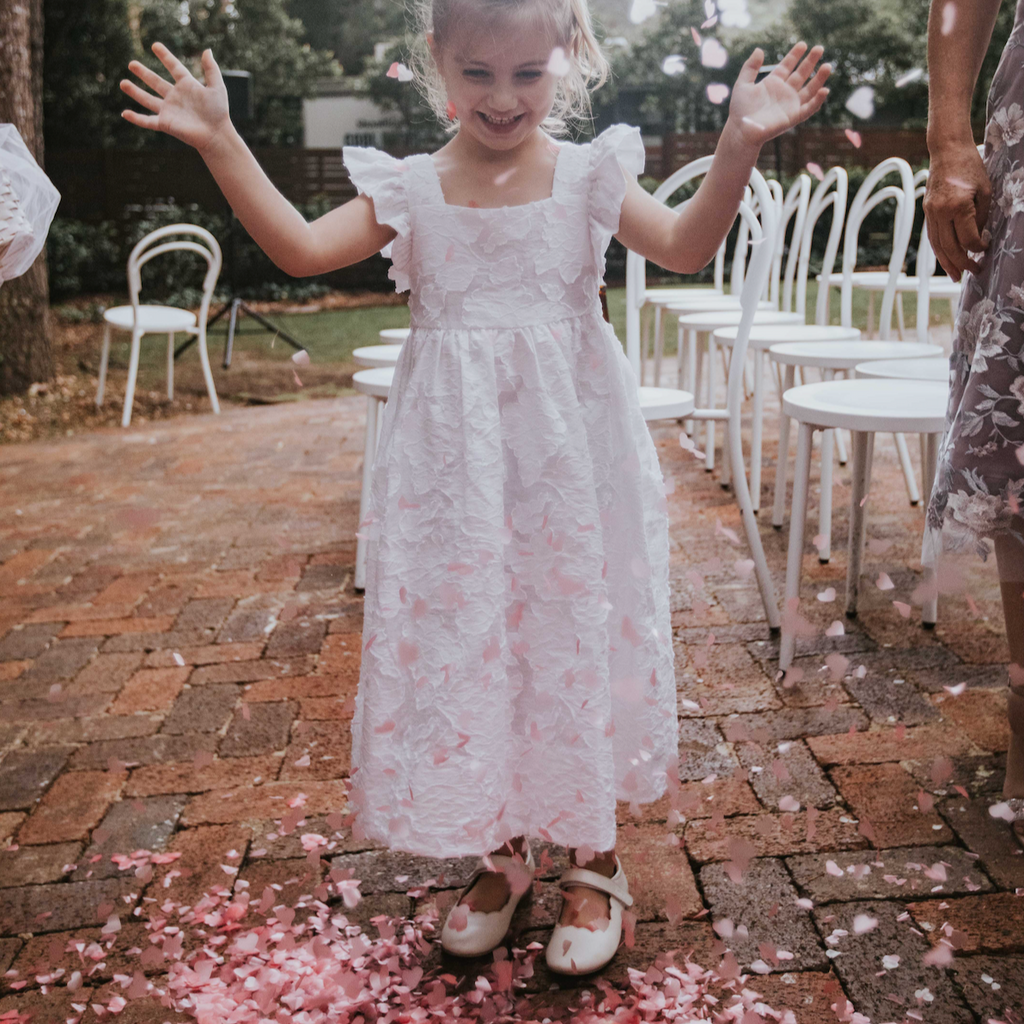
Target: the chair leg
(104, 355)
(734, 455)
(930, 609)
(170, 366)
(659, 344)
(696, 371)
(899, 315)
(133, 372)
(908, 469)
(871, 314)
(841, 447)
(825, 506)
(862, 445)
(779, 508)
(369, 453)
(204, 358)
(709, 441)
(794, 556)
(757, 430)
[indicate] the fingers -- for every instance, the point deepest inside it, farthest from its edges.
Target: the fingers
(967, 233)
(211, 70)
(813, 87)
(813, 105)
(947, 251)
(751, 66)
(178, 70)
(788, 63)
(806, 67)
(142, 120)
(146, 99)
(159, 85)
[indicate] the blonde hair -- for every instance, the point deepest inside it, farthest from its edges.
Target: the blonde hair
(571, 27)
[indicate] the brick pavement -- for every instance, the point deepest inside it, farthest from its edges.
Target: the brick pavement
(179, 651)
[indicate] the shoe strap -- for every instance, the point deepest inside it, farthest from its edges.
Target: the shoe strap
(497, 861)
(611, 886)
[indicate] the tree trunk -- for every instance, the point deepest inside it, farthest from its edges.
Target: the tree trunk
(25, 352)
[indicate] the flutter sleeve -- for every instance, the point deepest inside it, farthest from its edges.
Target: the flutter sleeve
(382, 177)
(617, 148)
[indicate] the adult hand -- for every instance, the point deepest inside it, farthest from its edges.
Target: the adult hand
(782, 99)
(191, 112)
(956, 206)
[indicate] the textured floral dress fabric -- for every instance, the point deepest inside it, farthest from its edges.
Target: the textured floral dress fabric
(979, 485)
(517, 670)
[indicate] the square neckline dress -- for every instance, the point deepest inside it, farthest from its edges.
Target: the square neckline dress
(517, 672)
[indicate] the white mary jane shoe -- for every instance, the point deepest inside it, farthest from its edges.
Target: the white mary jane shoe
(589, 950)
(485, 929)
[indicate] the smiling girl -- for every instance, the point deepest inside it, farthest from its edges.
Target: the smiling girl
(517, 665)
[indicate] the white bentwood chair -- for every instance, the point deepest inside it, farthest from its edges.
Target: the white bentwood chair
(669, 403)
(170, 320)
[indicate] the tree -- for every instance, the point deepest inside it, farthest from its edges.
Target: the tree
(351, 31)
(25, 353)
(87, 47)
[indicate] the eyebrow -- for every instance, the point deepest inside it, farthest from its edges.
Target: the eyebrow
(527, 64)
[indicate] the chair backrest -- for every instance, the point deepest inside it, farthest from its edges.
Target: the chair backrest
(143, 253)
(636, 265)
(866, 199)
(831, 192)
(925, 264)
(794, 211)
(762, 229)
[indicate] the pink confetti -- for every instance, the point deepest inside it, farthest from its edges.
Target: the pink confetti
(862, 102)
(956, 690)
(717, 92)
(883, 582)
(816, 170)
(696, 36)
(298, 383)
(642, 10)
(713, 54)
(911, 76)
(301, 358)
(558, 64)
(836, 629)
(854, 137)
(903, 609)
(401, 72)
(864, 923)
(744, 567)
(789, 803)
(827, 596)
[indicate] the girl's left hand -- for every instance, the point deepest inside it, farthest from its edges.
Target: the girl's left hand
(762, 110)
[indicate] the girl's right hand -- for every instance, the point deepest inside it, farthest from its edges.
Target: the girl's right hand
(194, 113)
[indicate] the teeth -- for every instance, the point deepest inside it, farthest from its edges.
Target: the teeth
(495, 120)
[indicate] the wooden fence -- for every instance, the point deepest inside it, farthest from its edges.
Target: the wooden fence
(106, 184)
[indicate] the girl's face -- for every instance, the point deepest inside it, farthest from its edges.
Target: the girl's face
(498, 82)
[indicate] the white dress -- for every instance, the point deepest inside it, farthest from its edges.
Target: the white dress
(517, 670)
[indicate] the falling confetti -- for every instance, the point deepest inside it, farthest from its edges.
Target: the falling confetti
(696, 37)
(854, 137)
(911, 76)
(673, 64)
(956, 690)
(717, 92)
(827, 596)
(713, 54)
(642, 10)
(883, 582)
(301, 358)
(948, 17)
(298, 383)
(862, 102)
(559, 64)
(903, 609)
(836, 629)
(401, 72)
(816, 170)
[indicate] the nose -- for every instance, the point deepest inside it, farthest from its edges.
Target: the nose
(503, 97)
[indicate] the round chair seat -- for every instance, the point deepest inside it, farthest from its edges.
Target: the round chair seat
(377, 355)
(375, 382)
(763, 336)
(665, 403)
(944, 288)
(889, 406)
(663, 296)
(928, 368)
(393, 335)
(153, 319)
(845, 355)
(710, 320)
(712, 304)
(861, 278)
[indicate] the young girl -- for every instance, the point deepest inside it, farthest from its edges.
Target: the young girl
(517, 665)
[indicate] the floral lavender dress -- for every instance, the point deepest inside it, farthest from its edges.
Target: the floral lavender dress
(979, 485)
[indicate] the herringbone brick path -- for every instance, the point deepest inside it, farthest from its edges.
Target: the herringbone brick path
(179, 651)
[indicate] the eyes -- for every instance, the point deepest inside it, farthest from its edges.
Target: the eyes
(480, 75)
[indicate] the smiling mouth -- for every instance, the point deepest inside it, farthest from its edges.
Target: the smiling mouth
(499, 122)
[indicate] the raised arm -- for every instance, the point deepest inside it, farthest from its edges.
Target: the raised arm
(959, 193)
(687, 240)
(198, 115)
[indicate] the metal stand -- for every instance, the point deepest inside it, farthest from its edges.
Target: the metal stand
(234, 305)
